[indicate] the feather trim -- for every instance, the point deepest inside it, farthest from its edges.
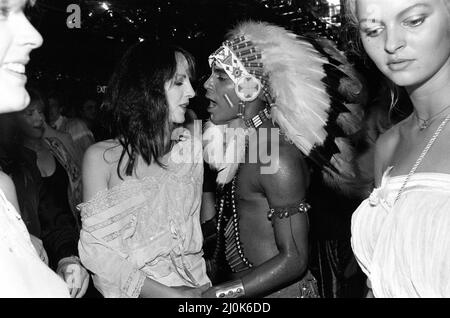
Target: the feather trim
(295, 71)
(309, 85)
(224, 148)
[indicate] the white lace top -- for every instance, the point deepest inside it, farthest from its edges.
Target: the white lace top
(404, 249)
(22, 272)
(147, 227)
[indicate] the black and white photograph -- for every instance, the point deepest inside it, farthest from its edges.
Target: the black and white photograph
(233, 151)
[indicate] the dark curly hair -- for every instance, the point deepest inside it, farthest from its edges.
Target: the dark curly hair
(135, 109)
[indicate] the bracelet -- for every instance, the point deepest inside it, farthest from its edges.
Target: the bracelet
(232, 289)
(285, 212)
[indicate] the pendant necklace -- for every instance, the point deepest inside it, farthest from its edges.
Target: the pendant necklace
(425, 123)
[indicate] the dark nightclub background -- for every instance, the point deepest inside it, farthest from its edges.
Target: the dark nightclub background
(79, 61)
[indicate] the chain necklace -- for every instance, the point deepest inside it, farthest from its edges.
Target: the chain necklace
(422, 155)
(426, 122)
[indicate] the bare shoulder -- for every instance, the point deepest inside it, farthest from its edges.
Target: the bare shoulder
(98, 162)
(287, 177)
(99, 157)
(291, 158)
(384, 149)
(6, 183)
(390, 137)
(106, 150)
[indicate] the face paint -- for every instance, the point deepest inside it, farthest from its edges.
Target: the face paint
(228, 100)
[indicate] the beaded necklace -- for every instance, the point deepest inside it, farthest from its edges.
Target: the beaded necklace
(234, 254)
(258, 119)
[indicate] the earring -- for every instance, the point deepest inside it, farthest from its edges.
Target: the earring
(241, 109)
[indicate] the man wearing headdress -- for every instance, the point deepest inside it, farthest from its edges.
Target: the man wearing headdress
(271, 116)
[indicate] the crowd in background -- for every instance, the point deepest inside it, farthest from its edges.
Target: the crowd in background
(108, 209)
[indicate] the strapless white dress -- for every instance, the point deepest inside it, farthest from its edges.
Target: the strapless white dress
(404, 248)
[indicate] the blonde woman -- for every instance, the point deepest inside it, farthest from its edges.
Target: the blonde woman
(400, 234)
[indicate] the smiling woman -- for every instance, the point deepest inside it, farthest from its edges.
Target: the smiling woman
(400, 233)
(17, 39)
(22, 272)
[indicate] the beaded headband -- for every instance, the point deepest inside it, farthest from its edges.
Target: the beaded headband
(239, 59)
(307, 94)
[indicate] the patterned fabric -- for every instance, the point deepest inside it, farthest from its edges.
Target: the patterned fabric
(147, 227)
(404, 249)
(73, 171)
(22, 273)
(81, 135)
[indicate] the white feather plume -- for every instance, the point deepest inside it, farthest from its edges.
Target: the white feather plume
(224, 148)
(295, 80)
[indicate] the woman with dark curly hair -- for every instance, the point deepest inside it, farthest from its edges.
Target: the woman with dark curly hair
(141, 234)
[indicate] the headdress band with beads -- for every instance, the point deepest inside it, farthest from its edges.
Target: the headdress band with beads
(247, 85)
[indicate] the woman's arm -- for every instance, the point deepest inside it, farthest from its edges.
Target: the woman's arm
(153, 289)
(284, 188)
(116, 276)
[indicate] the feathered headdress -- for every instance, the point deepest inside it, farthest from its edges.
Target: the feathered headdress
(306, 85)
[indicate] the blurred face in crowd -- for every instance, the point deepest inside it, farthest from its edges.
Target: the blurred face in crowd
(219, 87)
(409, 40)
(89, 109)
(17, 39)
(178, 91)
(31, 120)
(54, 109)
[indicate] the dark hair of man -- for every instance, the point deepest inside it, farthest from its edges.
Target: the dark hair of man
(135, 109)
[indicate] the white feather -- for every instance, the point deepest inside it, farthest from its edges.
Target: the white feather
(295, 81)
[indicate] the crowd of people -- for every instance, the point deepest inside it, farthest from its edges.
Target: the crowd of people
(301, 183)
